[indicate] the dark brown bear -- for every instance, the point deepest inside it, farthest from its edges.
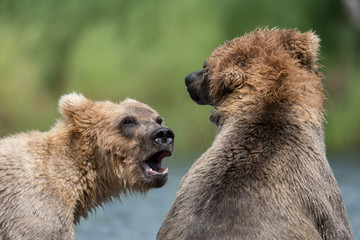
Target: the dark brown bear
(98, 151)
(266, 175)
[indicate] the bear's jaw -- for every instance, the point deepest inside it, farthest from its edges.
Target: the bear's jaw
(152, 165)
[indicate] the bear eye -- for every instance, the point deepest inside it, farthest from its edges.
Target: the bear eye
(159, 120)
(128, 121)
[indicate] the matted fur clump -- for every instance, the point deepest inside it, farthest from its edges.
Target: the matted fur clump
(99, 150)
(266, 175)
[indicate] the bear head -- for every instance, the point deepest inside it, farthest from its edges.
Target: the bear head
(261, 69)
(125, 143)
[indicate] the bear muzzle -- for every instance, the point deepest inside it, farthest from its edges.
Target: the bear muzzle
(198, 87)
(163, 139)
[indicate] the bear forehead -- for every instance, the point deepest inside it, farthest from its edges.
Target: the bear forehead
(128, 107)
(140, 111)
(131, 107)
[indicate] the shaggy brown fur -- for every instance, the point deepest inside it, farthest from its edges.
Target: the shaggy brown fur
(266, 175)
(98, 151)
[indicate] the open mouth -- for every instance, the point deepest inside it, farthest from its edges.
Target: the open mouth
(152, 166)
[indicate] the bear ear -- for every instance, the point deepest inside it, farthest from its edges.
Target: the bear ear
(303, 46)
(73, 103)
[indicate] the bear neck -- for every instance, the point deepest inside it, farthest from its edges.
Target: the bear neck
(268, 130)
(79, 152)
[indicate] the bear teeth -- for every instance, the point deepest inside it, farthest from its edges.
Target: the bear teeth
(150, 172)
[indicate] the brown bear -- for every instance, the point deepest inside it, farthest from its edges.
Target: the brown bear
(266, 175)
(98, 151)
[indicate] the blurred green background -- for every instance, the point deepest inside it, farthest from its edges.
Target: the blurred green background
(144, 49)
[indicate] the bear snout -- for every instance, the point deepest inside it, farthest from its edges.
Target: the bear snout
(163, 136)
(192, 77)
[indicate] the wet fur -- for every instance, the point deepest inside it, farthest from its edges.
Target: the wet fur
(266, 175)
(48, 180)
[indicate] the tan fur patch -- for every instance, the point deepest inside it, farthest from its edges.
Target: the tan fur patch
(94, 154)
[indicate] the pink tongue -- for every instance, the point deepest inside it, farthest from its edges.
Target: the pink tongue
(151, 172)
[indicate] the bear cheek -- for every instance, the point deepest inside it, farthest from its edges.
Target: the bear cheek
(118, 147)
(225, 84)
(146, 146)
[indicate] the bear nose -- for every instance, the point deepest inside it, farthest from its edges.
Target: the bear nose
(163, 136)
(191, 77)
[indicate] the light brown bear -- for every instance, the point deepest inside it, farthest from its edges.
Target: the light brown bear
(266, 175)
(100, 150)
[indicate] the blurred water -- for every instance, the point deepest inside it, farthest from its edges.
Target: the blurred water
(140, 217)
